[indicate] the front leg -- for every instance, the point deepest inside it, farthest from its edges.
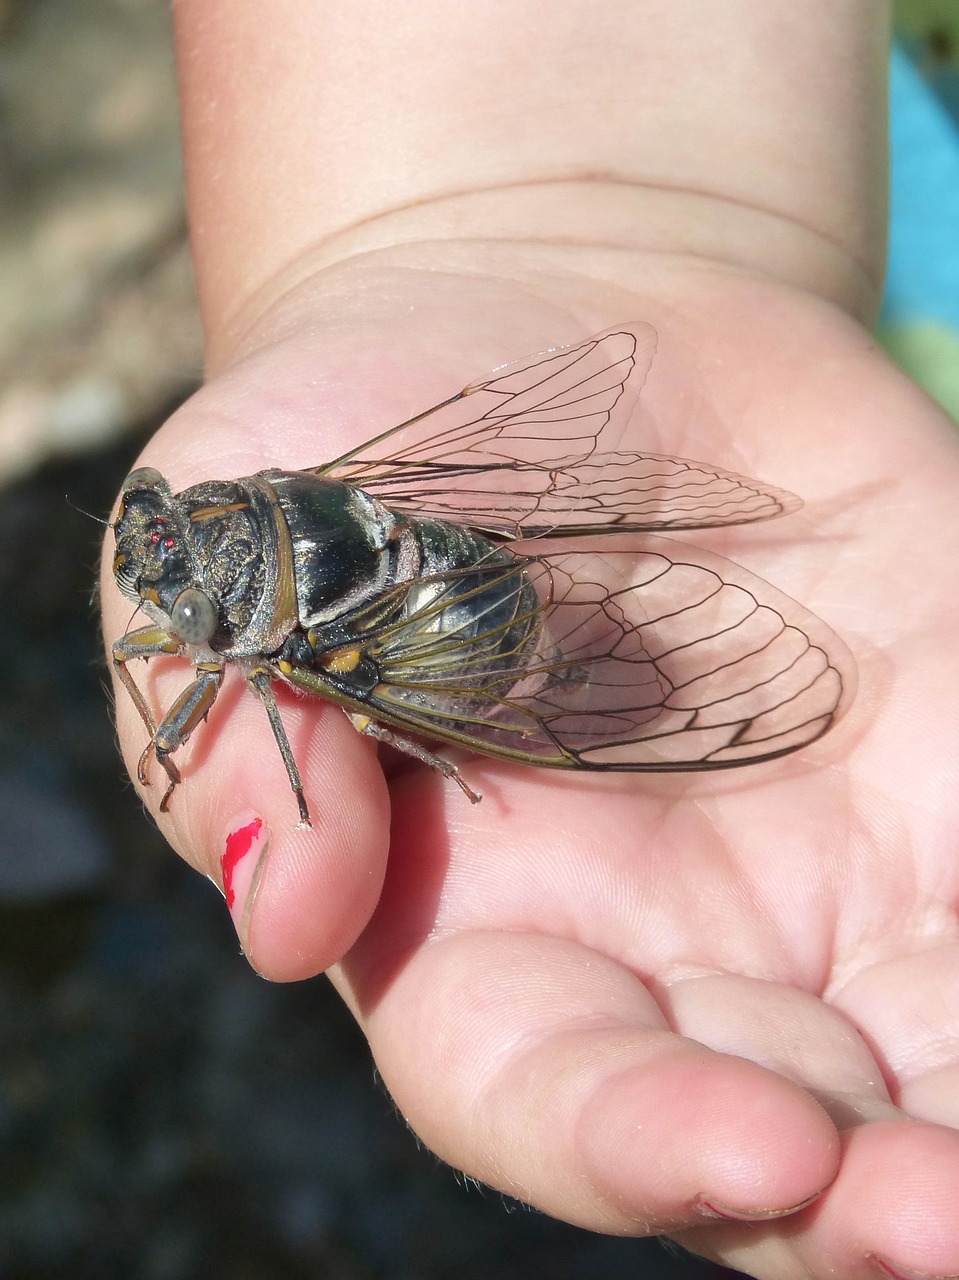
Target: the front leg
(191, 707)
(146, 642)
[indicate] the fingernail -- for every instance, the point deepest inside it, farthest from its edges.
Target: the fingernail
(712, 1208)
(904, 1273)
(241, 865)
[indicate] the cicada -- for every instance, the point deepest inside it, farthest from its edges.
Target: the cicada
(453, 580)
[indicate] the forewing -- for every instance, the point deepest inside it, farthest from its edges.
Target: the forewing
(546, 409)
(528, 453)
(668, 658)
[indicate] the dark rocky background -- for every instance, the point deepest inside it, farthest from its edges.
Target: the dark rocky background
(164, 1113)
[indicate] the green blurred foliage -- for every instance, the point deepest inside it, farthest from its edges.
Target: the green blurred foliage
(929, 352)
(932, 23)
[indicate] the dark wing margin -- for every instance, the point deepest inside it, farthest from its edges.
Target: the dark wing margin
(529, 452)
(668, 658)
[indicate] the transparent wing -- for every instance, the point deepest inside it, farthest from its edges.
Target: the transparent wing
(530, 452)
(665, 659)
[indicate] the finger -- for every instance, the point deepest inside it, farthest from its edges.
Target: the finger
(895, 1201)
(891, 1049)
(875, 1209)
(298, 897)
(790, 1031)
(890, 1212)
(908, 1007)
(548, 1070)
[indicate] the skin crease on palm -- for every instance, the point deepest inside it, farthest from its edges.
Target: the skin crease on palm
(623, 999)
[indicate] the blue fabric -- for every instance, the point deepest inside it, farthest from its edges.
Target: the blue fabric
(920, 316)
(923, 274)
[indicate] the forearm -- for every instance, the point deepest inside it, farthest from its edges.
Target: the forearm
(668, 125)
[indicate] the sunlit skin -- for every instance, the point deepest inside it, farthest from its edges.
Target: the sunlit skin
(639, 1000)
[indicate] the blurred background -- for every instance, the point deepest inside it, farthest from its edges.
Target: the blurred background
(164, 1113)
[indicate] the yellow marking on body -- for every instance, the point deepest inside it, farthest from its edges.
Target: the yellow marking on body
(341, 661)
(285, 667)
(213, 513)
(361, 723)
(151, 594)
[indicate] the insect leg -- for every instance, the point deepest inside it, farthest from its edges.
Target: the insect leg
(261, 680)
(146, 642)
(191, 707)
(370, 729)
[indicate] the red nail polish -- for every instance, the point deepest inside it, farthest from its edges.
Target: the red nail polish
(241, 866)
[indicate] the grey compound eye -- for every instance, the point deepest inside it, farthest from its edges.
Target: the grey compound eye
(193, 616)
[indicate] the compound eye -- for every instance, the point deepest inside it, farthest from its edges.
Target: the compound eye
(193, 616)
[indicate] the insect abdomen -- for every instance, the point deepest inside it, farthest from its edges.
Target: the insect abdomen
(476, 612)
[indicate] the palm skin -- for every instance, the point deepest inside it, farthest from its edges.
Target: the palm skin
(638, 1002)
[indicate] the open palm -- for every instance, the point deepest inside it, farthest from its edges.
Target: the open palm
(641, 1002)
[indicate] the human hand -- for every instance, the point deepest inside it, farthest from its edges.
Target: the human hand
(625, 1000)
(631, 999)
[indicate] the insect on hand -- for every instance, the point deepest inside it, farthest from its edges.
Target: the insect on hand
(453, 579)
